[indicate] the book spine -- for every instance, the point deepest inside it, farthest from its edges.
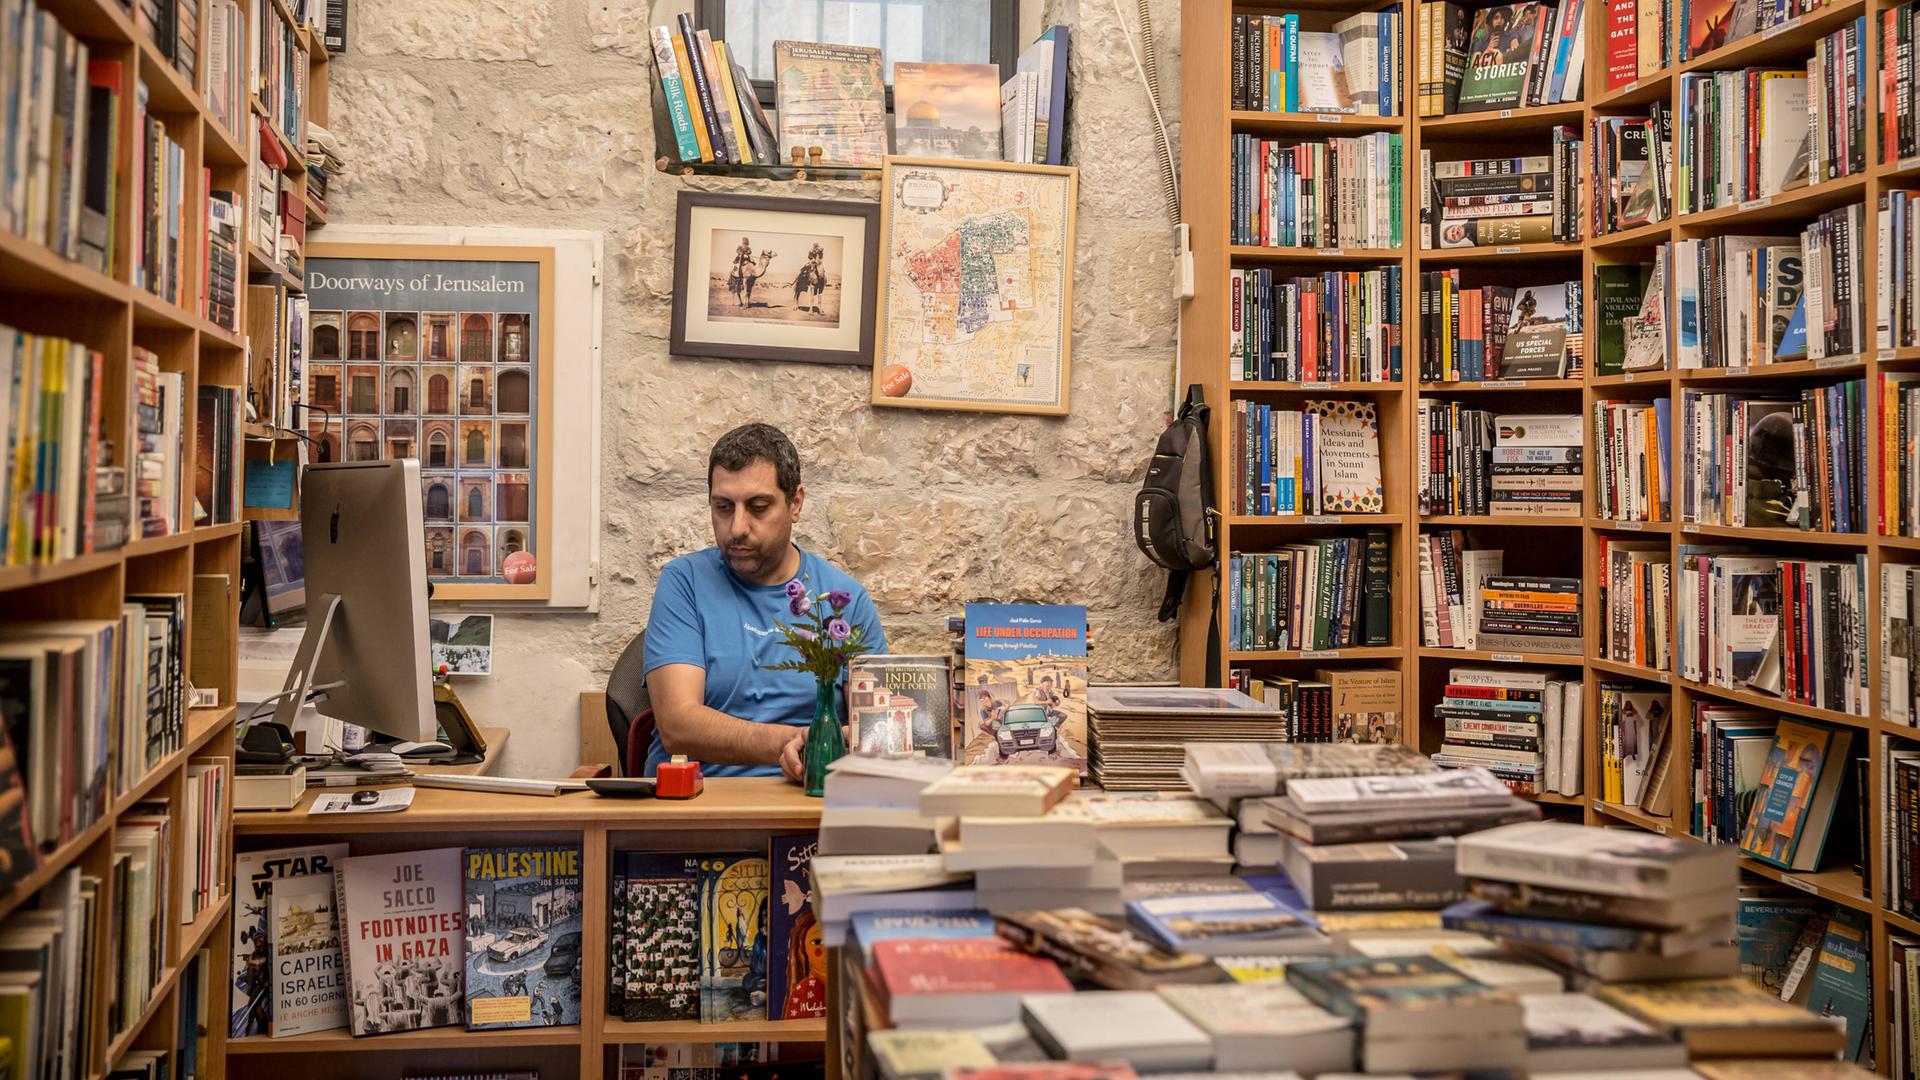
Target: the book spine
(689, 48)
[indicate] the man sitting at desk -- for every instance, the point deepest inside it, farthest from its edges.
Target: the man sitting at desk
(713, 636)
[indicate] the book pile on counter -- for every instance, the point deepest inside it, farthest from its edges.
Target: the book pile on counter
(1533, 947)
(1129, 726)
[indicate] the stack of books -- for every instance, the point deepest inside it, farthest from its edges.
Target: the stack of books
(1607, 905)
(1631, 479)
(1160, 834)
(872, 805)
(843, 886)
(1727, 1017)
(159, 410)
(160, 243)
(323, 163)
(1530, 615)
(1633, 170)
(953, 972)
(1522, 725)
(1701, 31)
(1300, 329)
(1227, 918)
(53, 1004)
(1022, 863)
(1128, 727)
(1481, 202)
(1342, 193)
(1579, 1033)
(1636, 601)
(1320, 458)
(1136, 1027)
(1227, 772)
(1451, 803)
(1415, 1012)
(1836, 319)
(1332, 593)
(1352, 67)
(1497, 331)
(1636, 747)
(1531, 474)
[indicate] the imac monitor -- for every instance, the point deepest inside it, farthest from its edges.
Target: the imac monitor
(366, 587)
(283, 568)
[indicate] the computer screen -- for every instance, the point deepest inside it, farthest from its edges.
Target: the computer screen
(283, 567)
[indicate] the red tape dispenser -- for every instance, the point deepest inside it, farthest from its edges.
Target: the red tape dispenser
(678, 779)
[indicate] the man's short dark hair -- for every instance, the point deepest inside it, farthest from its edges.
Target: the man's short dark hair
(749, 443)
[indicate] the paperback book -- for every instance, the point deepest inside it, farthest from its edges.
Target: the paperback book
(523, 936)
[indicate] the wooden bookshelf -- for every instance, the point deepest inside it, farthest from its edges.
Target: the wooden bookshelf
(46, 293)
(1206, 151)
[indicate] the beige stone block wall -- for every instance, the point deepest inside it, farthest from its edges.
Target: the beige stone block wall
(537, 113)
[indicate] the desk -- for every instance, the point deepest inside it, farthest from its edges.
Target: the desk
(496, 738)
(730, 815)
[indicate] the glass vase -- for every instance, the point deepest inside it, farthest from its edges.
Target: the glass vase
(826, 742)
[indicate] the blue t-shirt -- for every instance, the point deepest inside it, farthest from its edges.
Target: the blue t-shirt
(705, 616)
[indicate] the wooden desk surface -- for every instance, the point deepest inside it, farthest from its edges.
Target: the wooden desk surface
(496, 738)
(735, 803)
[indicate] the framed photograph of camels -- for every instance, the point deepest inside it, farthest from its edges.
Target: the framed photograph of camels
(762, 278)
(976, 302)
(445, 353)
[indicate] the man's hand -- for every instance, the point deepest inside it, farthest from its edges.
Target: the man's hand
(790, 761)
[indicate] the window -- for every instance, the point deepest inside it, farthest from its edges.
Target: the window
(326, 342)
(953, 31)
(437, 450)
(326, 391)
(476, 335)
(513, 446)
(439, 503)
(476, 448)
(477, 395)
(513, 501)
(476, 504)
(363, 337)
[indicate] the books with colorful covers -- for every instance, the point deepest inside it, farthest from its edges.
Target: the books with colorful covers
(404, 936)
(1799, 789)
(832, 97)
(309, 986)
(1538, 331)
(1414, 1007)
(523, 936)
(1094, 949)
(958, 983)
(1026, 685)
(657, 929)
(1499, 51)
(1324, 86)
(1726, 1018)
(1247, 923)
(901, 704)
(252, 979)
(1842, 978)
(1348, 457)
(797, 969)
(733, 936)
(1234, 770)
(946, 110)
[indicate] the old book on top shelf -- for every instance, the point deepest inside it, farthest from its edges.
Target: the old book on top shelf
(399, 980)
(833, 97)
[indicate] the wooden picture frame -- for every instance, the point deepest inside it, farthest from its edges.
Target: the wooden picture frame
(802, 235)
(407, 274)
(923, 203)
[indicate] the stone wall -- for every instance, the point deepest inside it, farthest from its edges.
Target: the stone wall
(537, 113)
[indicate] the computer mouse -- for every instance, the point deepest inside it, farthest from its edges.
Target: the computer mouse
(421, 749)
(365, 798)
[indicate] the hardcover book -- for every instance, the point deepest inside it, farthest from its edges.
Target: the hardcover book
(797, 958)
(1026, 685)
(1349, 457)
(254, 873)
(660, 936)
(946, 110)
(901, 704)
(523, 936)
(1499, 50)
(309, 986)
(832, 97)
(733, 937)
(404, 938)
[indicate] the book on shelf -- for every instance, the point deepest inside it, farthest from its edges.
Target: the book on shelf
(216, 456)
(1633, 439)
(48, 993)
(1731, 747)
(733, 918)
(1498, 331)
(57, 449)
(1335, 326)
(1351, 67)
(416, 982)
(277, 329)
(1840, 983)
(160, 181)
(1339, 193)
(1632, 168)
(1450, 580)
(253, 978)
(1316, 595)
(1040, 137)
(1322, 458)
(221, 258)
(309, 987)
(1899, 636)
(280, 71)
(1523, 726)
(1017, 100)
(946, 110)
(1441, 60)
(142, 845)
(205, 793)
(797, 968)
(1526, 54)
(1483, 202)
(224, 90)
(159, 484)
(1798, 792)
(1636, 602)
(1636, 746)
(1775, 460)
(901, 704)
(1026, 679)
(829, 96)
(1740, 300)
(523, 925)
(654, 934)
(1713, 25)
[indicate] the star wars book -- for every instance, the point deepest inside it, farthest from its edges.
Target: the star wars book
(404, 936)
(797, 957)
(523, 936)
(309, 986)
(254, 873)
(733, 937)
(659, 912)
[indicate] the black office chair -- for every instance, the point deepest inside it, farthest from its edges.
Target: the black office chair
(629, 710)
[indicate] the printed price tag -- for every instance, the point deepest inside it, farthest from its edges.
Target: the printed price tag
(1629, 526)
(205, 697)
(1503, 384)
(1507, 658)
(1661, 676)
(1802, 884)
(1755, 204)
(1510, 249)
(1319, 654)
(1323, 519)
(1832, 362)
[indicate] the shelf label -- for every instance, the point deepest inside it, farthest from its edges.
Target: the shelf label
(1503, 384)
(1507, 658)
(1802, 884)
(1630, 87)
(1884, 355)
(1316, 385)
(1743, 369)
(1336, 253)
(1629, 526)
(1330, 118)
(1755, 204)
(1663, 677)
(1319, 654)
(1506, 114)
(205, 697)
(1775, 31)
(1509, 249)
(1908, 163)
(1627, 377)
(1323, 519)
(1832, 362)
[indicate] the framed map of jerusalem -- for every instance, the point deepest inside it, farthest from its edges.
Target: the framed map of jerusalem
(976, 304)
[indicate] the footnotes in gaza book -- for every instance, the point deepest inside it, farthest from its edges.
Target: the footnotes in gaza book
(1026, 685)
(523, 916)
(404, 933)
(254, 874)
